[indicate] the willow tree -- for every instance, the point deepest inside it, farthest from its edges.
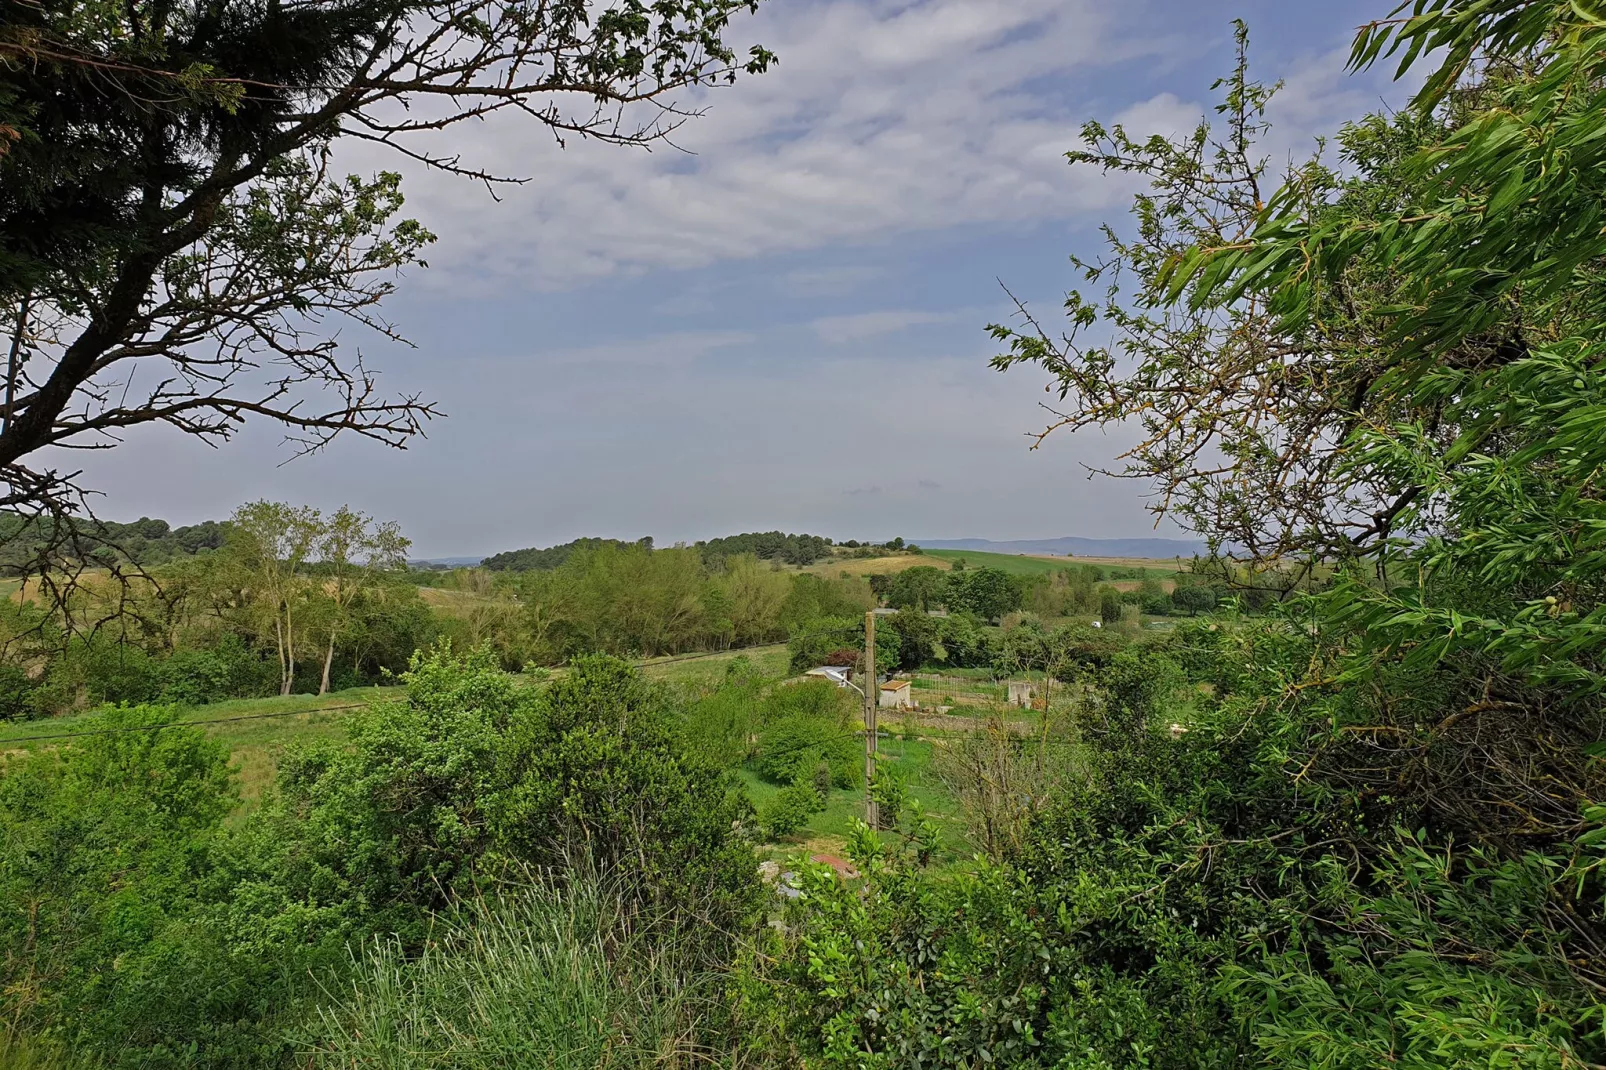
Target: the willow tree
(175, 245)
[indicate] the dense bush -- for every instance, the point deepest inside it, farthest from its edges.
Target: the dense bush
(814, 640)
(790, 809)
(1194, 599)
(105, 877)
(226, 670)
(16, 694)
(99, 668)
(922, 587)
(792, 747)
(988, 593)
(1192, 901)
(1110, 607)
(472, 768)
(145, 929)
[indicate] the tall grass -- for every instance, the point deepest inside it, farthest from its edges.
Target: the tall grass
(20, 1053)
(546, 975)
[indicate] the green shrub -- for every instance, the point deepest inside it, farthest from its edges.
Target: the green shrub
(106, 873)
(16, 694)
(1110, 606)
(789, 810)
(227, 670)
(1158, 605)
(139, 927)
(823, 780)
(1194, 599)
(98, 669)
(792, 747)
(815, 639)
(471, 768)
(819, 699)
(987, 969)
(891, 792)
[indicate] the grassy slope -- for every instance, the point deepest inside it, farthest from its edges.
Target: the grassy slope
(873, 566)
(254, 742)
(707, 670)
(1022, 565)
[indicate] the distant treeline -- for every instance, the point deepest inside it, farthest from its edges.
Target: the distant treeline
(143, 541)
(766, 546)
(535, 559)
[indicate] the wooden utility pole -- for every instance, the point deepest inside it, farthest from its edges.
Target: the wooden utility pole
(872, 700)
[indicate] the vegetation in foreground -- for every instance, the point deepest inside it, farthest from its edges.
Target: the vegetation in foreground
(1362, 830)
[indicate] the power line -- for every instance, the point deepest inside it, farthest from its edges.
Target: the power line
(186, 724)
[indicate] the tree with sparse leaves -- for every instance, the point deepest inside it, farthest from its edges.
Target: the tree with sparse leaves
(176, 246)
(354, 552)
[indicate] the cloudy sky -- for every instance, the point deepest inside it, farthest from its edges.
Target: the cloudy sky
(781, 326)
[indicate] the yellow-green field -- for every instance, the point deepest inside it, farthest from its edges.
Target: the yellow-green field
(873, 566)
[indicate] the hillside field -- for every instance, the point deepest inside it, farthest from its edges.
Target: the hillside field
(1025, 565)
(255, 730)
(872, 566)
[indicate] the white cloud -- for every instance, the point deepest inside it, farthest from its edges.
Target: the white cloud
(864, 325)
(882, 117)
(1165, 114)
(830, 281)
(666, 350)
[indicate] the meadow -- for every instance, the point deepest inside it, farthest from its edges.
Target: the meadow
(1119, 568)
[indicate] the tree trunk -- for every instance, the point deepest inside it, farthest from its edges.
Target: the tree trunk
(289, 651)
(328, 660)
(284, 674)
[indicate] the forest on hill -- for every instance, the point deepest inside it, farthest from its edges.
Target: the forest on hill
(140, 542)
(1336, 799)
(766, 546)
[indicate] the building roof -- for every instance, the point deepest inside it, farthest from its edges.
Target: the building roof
(895, 685)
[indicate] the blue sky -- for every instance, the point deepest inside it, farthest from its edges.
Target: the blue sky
(782, 327)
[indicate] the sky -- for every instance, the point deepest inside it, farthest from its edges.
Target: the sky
(779, 322)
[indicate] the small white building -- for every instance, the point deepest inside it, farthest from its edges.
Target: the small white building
(895, 695)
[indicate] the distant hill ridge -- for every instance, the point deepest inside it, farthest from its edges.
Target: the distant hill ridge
(1071, 544)
(793, 549)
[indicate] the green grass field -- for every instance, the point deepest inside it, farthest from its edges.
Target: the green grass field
(255, 730)
(827, 831)
(701, 671)
(1019, 565)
